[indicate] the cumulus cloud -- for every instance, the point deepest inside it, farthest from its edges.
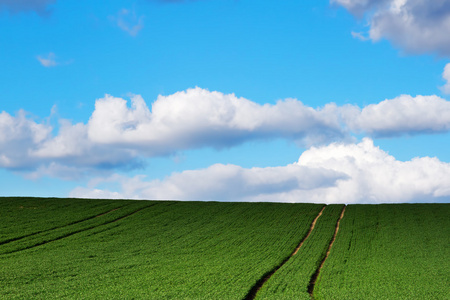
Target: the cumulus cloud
(377, 177)
(220, 182)
(128, 21)
(337, 173)
(19, 135)
(446, 76)
(39, 6)
(119, 135)
(29, 146)
(402, 115)
(416, 26)
(197, 118)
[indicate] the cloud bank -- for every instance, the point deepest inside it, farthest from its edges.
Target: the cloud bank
(337, 173)
(416, 26)
(404, 115)
(119, 135)
(198, 118)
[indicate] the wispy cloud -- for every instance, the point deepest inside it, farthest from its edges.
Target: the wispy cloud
(128, 21)
(415, 26)
(48, 61)
(41, 7)
(337, 173)
(360, 36)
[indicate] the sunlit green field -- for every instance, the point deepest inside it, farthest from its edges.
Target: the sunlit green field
(110, 249)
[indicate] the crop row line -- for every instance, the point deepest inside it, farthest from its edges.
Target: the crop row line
(77, 231)
(258, 285)
(57, 227)
(313, 280)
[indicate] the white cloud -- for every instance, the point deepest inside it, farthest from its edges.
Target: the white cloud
(128, 21)
(197, 118)
(402, 115)
(29, 146)
(446, 76)
(360, 36)
(48, 61)
(119, 136)
(376, 176)
(338, 173)
(18, 136)
(220, 182)
(416, 26)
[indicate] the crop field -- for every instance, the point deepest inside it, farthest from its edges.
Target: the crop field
(389, 252)
(124, 249)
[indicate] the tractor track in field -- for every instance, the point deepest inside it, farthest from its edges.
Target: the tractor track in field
(58, 227)
(313, 279)
(258, 285)
(78, 231)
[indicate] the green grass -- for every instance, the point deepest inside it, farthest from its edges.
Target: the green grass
(22, 217)
(292, 279)
(389, 252)
(178, 250)
(110, 249)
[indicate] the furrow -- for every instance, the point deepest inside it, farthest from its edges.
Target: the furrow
(58, 227)
(258, 285)
(312, 282)
(76, 231)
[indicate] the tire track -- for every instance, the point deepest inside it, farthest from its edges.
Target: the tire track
(258, 285)
(77, 231)
(58, 227)
(313, 280)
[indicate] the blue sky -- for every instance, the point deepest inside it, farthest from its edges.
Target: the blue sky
(298, 101)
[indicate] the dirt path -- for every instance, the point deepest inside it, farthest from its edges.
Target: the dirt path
(254, 290)
(312, 282)
(309, 232)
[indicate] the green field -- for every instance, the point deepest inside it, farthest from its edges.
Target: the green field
(110, 249)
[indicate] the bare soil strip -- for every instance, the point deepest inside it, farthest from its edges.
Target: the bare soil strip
(255, 288)
(77, 231)
(309, 232)
(312, 282)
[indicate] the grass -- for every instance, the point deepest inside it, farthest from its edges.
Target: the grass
(109, 249)
(167, 250)
(389, 252)
(292, 279)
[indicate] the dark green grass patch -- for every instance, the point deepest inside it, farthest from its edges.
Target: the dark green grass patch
(292, 279)
(389, 252)
(171, 250)
(23, 217)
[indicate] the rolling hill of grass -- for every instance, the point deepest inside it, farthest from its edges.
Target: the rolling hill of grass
(97, 249)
